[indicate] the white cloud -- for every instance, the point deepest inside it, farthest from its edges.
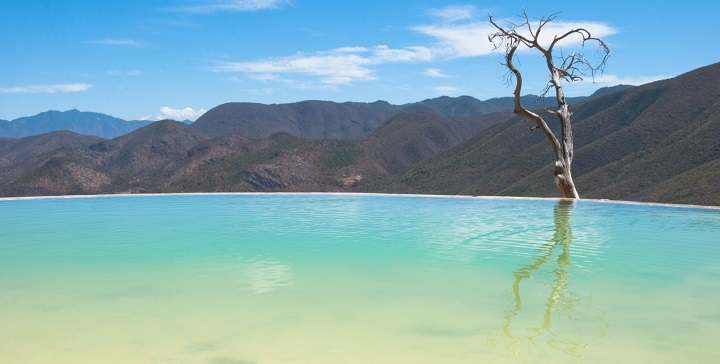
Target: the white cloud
(263, 77)
(471, 39)
(434, 72)
(126, 73)
(454, 13)
(597, 29)
(384, 54)
(612, 80)
(46, 89)
(117, 42)
(329, 67)
(346, 65)
(339, 66)
(328, 83)
(463, 40)
(348, 50)
(588, 86)
(179, 114)
(212, 6)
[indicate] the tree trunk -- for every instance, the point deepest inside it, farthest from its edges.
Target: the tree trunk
(563, 150)
(564, 156)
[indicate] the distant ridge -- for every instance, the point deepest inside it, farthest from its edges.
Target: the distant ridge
(306, 119)
(609, 90)
(331, 120)
(469, 106)
(87, 123)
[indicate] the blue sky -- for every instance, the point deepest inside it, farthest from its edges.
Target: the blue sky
(177, 58)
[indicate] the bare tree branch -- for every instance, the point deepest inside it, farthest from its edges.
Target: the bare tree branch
(572, 68)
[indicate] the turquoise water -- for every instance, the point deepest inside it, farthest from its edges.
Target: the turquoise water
(316, 278)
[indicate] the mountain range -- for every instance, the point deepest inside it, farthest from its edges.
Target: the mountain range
(306, 119)
(656, 142)
(87, 123)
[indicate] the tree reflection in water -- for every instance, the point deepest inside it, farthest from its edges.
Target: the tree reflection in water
(562, 303)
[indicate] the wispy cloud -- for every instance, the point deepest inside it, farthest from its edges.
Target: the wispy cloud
(126, 73)
(46, 89)
(612, 80)
(286, 82)
(434, 72)
(335, 67)
(588, 85)
(460, 40)
(471, 39)
(331, 68)
(458, 35)
(117, 42)
(187, 113)
(451, 14)
(213, 6)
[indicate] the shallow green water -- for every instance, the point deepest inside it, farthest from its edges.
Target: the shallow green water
(229, 279)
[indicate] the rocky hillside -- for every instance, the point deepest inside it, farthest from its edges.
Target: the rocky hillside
(409, 137)
(18, 157)
(169, 156)
(656, 142)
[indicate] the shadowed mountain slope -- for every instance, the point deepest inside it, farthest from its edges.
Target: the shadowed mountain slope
(630, 144)
(20, 156)
(19, 149)
(410, 137)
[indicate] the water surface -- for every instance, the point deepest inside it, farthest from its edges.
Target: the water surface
(316, 278)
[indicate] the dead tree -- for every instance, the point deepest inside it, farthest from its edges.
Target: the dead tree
(572, 67)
